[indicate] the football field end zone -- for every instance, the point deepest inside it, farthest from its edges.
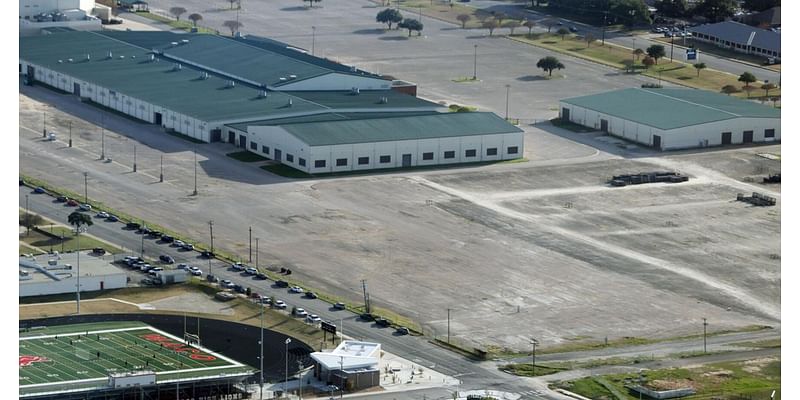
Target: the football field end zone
(143, 327)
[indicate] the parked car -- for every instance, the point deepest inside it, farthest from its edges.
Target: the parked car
(166, 259)
(187, 247)
(296, 289)
(183, 266)
(38, 190)
(178, 243)
(311, 295)
(299, 312)
(226, 283)
(239, 289)
(143, 230)
(279, 304)
(102, 214)
(261, 276)
(99, 250)
(339, 306)
(153, 271)
(212, 278)
(144, 267)
(72, 203)
(383, 322)
(281, 284)
(207, 254)
(250, 271)
(112, 218)
(402, 330)
(367, 317)
(313, 319)
(132, 225)
(167, 239)
(196, 272)
(85, 207)
(62, 199)
(237, 266)
(573, 29)
(148, 282)
(266, 300)
(156, 234)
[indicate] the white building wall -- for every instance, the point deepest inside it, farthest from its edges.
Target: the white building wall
(33, 7)
(88, 284)
(336, 81)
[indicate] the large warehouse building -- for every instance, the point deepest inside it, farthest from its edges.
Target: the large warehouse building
(671, 119)
(264, 96)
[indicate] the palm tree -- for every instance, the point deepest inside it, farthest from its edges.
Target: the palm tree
(78, 219)
(699, 66)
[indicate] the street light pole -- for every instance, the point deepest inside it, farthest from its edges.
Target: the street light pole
(300, 377)
(671, 46)
(534, 342)
(256, 253)
(161, 174)
(44, 124)
(211, 234)
(448, 326)
(261, 357)
(475, 65)
(286, 380)
(102, 137)
(605, 17)
(134, 158)
(78, 283)
(27, 217)
(250, 240)
(341, 379)
(194, 193)
(85, 187)
(705, 324)
(70, 133)
(313, 38)
(508, 90)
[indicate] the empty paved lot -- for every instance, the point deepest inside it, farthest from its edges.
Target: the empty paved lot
(542, 248)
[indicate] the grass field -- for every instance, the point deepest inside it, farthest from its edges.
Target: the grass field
(84, 353)
(40, 240)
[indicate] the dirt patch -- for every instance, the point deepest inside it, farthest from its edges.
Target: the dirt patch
(661, 384)
(718, 377)
(193, 302)
(755, 366)
(44, 310)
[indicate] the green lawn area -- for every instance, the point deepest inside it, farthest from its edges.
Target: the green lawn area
(246, 156)
(615, 56)
(526, 369)
(24, 249)
(729, 380)
(44, 242)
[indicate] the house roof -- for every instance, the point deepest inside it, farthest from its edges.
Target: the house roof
(326, 133)
(350, 354)
(743, 34)
(672, 108)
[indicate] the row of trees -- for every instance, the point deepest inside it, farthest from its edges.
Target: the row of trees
(392, 16)
(712, 9)
(628, 12)
(232, 25)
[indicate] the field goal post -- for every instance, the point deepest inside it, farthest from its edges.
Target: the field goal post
(191, 338)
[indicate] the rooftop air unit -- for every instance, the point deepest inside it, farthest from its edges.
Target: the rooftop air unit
(289, 103)
(88, 57)
(152, 57)
(383, 100)
(184, 41)
(262, 94)
(282, 79)
(174, 44)
(60, 61)
(353, 68)
(355, 91)
(204, 75)
(110, 55)
(69, 60)
(177, 67)
(121, 57)
(231, 84)
(292, 76)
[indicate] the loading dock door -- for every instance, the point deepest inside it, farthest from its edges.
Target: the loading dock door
(216, 135)
(277, 155)
(31, 74)
(406, 160)
(157, 118)
(231, 137)
(565, 114)
(726, 138)
(604, 125)
(747, 137)
(657, 141)
(243, 141)
(76, 88)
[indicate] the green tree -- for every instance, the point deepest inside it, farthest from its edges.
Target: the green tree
(656, 51)
(194, 18)
(389, 16)
(511, 25)
(529, 24)
(715, 10)
(767, 87)
(760, 5)
(563, 32)
(549, 63)
(412, 25)
(648, 62)
(698, 67)
(637, 53)
(463, 18)
(730, 89)
(589, 39)
(747, 78)
(491, 25)
(672, 8)
(628, 12)
(549, 23)
(177, 12)
(233, 26)
(29, 220)
(79, 219)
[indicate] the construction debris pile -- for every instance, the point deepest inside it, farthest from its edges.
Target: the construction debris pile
(757, 199)
(773, 178)
(647, 177)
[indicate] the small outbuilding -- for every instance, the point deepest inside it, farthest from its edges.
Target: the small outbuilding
(353, 365)
(671, 119)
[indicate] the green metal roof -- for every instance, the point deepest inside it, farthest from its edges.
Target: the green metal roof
(242, 126)
(400, 128)
(672, 108)
(182, 91)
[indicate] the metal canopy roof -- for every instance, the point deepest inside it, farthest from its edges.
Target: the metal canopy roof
(672, 108)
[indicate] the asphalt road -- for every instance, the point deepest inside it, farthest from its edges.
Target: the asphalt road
(474, 375)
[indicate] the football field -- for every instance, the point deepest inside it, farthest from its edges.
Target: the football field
(84, 355)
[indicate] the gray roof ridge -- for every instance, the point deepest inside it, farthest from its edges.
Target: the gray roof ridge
(119, 41)
(690, 102)
(274, 53)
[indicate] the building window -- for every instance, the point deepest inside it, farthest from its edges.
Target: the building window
(289, 157)
(341, 162)
(769, 133)
(427, 156)
(265, 149)
(363, 160)
(492, 151)
(302, 161)
(385, 159)
(471, 153)
(319, 163)
(254, 146)
(513, 150)
(450, 154)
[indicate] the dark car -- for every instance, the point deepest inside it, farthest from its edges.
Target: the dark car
(143, 230)
(62, 199)
(367, 317)
(155, 234)
(281, 284)
(573, 29)
(383, 322)
(72, 203)
(38, 190)
(132, 225)
(112, 218)
(402, 330)
(239, 289)
(212, 278)
(262, 276)
(167, 239)
(166, 259)
(340, 306)
(207, 254)
(99, 250)
(311, 295)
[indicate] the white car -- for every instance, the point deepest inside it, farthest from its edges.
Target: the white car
(237, 266)
(279, 304)
(299, 312)
(153, 271)
(178, 243)
(102, 214)
(250, 271)
(226, 283)
(296, 289)
(85, 207)
(184, 266)
(196, 272)
(313, 319)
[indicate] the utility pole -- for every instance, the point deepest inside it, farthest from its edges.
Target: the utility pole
(161, 175)
(705, 324)
(211, 234)
(78, 283)
(313, 38)
(44, 124)
(28, 217)
(134, 158)
(286, 380)
(534, 342)
(261, 357)
(250, 240)
(475, 65)
(194, 193)
(85, 187)
(671, 47)
(508, 90)
(70, 133)
(256, 253)
(366, 301)
(605, 17)
(102, 137)
(448, 326)
(141, 253)
(300, 377)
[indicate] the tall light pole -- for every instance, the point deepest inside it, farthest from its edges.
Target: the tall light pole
(256, 253)
(286, 380)
(161, 174)
(508, 90)
(27, 217)
(194, 193)
(300, 377)
(78, 282)
(534, 342)
(134, 158)
(85, 187)
(341, 379)
(102, 137)
(605, 17)
(261, 357)
(475, 64)
(211, 234)
(313, 38)
(448, 326)
(633, 53)
(44, 124)
(70, 133)
(705, 324)
(250, 241)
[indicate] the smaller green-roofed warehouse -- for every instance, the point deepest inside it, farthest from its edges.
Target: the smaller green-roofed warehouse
(346, 142)
(671, 119)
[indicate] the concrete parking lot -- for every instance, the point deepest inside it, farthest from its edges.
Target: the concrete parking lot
(540, 248)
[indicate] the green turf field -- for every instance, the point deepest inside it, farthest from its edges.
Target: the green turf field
(88, 353)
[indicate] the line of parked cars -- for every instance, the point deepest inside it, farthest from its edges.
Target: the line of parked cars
(670, 31)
